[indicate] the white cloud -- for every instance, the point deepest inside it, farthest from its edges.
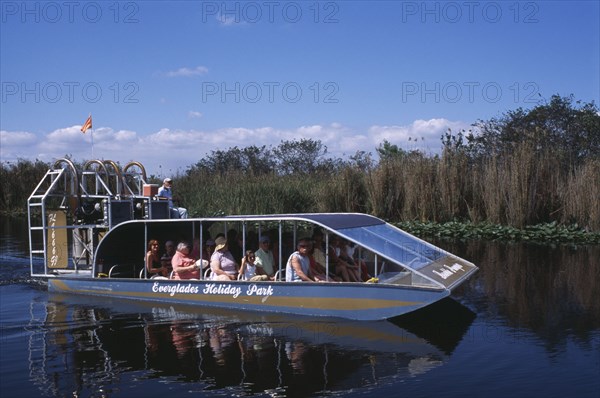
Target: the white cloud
(176, 149)
(187, 72)
(16, 138)
(194, 114)
(424, 135)
(174, 139)
(17, 145)
(67, 134)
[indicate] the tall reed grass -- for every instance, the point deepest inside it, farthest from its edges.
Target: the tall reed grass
(580, 196)
(521, 188)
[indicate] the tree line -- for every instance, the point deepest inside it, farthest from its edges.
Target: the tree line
(524, 167)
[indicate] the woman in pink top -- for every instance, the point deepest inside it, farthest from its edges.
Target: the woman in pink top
(184, 266)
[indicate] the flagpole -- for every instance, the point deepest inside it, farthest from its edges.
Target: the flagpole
(92, 135)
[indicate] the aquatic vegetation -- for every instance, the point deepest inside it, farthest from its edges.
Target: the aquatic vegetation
(541, 233)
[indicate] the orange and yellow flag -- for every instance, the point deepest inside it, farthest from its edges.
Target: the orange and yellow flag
(87, 125)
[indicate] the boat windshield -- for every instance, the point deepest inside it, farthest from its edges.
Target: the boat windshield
(395, 244)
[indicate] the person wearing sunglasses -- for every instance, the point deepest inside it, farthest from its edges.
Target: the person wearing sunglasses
(153, 263)
(298, 265)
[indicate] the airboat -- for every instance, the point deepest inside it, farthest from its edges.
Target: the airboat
(89, 227)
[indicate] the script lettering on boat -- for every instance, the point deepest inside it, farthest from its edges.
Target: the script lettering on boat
(446, 271)
(254, 290)
(56, 256)
(235, 291)
(180, 288)
(212, 289)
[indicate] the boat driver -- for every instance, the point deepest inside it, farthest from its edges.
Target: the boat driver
(166, 192)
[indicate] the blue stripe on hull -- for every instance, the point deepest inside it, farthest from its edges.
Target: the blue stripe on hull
(346, 300)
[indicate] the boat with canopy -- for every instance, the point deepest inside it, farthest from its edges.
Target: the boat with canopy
(89, 231)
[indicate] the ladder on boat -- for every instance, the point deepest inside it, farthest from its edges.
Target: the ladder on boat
(36, 212)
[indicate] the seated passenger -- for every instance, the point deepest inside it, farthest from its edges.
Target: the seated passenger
(249, 270)
(222, 265)
(317, 270)
(209, 249)
(166, 192)
(319, 256)
(342, 268)
(264, 257)
(184, 266)
(355, 256)
(195, 254)
(167, 256)
(298, 265)
(349, 255)
(153, 264)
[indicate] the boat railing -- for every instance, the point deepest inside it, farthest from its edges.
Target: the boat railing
(279, 275)
(123, 271)
(100, 183)
(133, 183)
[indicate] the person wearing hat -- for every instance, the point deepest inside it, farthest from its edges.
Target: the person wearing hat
(264, 257)
(222, 264)
(166, 192)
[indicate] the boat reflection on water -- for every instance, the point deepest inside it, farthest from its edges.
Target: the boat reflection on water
(85, 347)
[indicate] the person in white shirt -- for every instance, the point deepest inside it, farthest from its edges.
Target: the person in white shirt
(166, 192)
(249, 270)
(264, 257)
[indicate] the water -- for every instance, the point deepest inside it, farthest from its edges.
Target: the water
(526, 325)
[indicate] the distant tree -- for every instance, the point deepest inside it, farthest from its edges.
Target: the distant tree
(362, 160)
(19, 179)
(569, 129)
(258, 160)
(303, 157)
(388, 151)
(252, 159)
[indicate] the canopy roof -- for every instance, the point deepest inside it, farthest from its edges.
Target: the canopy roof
(333, 221)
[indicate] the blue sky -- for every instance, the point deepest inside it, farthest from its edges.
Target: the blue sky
(167, 82)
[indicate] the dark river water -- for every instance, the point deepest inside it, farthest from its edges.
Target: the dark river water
(526, 325)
